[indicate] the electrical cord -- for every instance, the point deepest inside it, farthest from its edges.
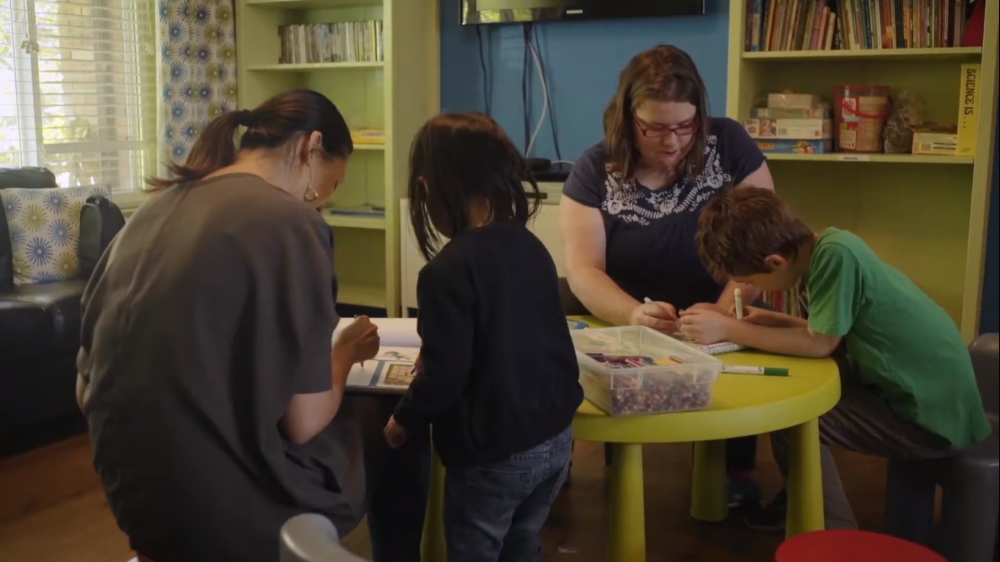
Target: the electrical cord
(552, 114)
(545, 97)
(487, 79)
(525, 82)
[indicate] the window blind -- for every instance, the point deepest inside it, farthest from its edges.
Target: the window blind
(82, 101)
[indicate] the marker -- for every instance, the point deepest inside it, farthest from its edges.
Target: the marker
(739, 303)
(766, 371)
(647, 300)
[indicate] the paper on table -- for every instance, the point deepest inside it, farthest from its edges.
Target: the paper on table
(393, 332)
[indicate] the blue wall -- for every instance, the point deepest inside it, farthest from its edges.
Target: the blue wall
(582, 60)
(991, 282)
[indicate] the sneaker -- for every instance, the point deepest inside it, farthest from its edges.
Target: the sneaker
(744, 492)
(769, 519)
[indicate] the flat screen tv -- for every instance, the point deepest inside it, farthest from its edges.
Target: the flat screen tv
(477, 12)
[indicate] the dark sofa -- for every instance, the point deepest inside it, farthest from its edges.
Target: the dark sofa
(39, 339)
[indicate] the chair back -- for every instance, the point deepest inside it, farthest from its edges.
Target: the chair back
(571, 305)
(310, 537)
(985, 353)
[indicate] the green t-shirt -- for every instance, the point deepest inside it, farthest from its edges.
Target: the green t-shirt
(905, 346)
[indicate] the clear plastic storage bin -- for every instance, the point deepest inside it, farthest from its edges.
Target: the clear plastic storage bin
(634, 370)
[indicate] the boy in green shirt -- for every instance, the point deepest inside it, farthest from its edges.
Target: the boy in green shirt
(908, 389)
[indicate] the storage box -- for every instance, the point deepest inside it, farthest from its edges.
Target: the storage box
(791, 100)
(788, 146)
(789, 129)
(673, 378)
(819, 112)
(941, 141)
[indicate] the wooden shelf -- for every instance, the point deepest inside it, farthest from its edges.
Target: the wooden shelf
(901, 55)
(371, 147)
(310, 4)
(312, 66)
(353, 221)
(872, 158)
(361, 295)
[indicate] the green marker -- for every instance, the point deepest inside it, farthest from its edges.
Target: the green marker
(766, 371)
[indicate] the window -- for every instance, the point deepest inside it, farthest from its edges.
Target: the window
(78, 89)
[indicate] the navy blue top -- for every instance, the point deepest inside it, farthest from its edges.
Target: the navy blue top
(651, 234)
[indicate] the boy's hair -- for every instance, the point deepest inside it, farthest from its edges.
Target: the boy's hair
(458, 159)
(739, 229)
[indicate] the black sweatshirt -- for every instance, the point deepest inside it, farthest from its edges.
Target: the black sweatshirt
(499, 373)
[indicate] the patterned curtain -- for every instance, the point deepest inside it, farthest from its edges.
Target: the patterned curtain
(197, 71)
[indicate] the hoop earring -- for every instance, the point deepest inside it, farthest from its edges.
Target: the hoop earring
(310, 195)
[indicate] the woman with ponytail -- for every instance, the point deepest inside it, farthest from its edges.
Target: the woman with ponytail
(206, 374)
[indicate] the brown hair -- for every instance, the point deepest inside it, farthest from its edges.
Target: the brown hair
(271, 124)
(738, 230)
(460, 158)
(663, 73)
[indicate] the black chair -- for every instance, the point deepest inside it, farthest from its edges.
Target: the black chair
(40, 335)
(968, 481)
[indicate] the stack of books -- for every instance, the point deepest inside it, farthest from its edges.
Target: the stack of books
(794, 25)
(352, 41)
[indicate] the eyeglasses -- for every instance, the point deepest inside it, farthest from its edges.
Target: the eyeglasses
(651, 131)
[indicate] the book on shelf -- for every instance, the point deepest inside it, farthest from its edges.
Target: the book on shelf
(368, 136)
(366, 210)
(340, 42)
(809, 25)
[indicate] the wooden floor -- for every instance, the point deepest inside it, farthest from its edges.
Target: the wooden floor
(52, 509)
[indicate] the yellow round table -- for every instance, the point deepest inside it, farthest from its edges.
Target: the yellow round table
(742, 405)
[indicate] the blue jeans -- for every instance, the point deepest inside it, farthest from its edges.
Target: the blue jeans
(494, 512)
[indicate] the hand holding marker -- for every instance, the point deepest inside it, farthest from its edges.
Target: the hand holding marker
(742, 370)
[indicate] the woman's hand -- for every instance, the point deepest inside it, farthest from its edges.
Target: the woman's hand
(710, 306)
(705, 326)
(395, 434)
(657, 315)
(359, 341)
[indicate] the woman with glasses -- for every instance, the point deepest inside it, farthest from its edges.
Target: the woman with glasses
(631, 207)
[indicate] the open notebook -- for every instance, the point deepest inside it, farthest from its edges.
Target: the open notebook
(392, 369)
(716, 348)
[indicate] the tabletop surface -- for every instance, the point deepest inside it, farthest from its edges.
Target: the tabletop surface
(741, 404)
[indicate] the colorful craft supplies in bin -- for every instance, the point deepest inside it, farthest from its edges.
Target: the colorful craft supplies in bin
(634, 370)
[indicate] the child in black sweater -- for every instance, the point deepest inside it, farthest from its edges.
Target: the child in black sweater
(498, 377)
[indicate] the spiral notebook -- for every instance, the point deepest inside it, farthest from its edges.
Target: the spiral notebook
(717, 348)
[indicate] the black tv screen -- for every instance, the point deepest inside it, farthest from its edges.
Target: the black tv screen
(477, 12)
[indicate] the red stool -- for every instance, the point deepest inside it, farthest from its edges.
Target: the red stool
(853, 546)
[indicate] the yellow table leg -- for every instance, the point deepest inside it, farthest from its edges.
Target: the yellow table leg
(627, 541)
(708, 482)
(805, 481)
(433, 548)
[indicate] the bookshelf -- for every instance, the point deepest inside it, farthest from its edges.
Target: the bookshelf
(925, 214)
(396, 94)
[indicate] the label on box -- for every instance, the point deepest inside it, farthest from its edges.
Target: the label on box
(945, 144)
(791, 129)
(789, 146)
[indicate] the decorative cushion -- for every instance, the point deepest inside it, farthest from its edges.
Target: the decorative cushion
(44, 227)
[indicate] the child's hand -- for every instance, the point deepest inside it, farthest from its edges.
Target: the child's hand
(710, 306)
(656, 315)
(705, 326)
(359, 340)
(395, 434)
(754, 315)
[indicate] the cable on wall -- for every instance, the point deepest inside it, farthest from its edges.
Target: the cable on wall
(552, 114)
(525, 88)
(487, 75)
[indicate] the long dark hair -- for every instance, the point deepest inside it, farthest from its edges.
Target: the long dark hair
(663, 73)
(456, 160)
(271, 124)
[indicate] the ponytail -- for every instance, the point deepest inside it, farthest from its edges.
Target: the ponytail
(270, 125)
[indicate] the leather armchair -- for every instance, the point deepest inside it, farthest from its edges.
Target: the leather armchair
(39, 339)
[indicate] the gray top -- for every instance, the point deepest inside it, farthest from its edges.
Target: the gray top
(213, 306)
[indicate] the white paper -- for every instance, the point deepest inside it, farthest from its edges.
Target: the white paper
(392, 332)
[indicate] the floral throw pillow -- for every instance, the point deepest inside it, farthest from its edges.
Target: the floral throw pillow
(44, 227)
